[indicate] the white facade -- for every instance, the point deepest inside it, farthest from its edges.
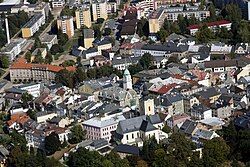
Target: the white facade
(127, 80)
(58, 3)
(33, 89)
(45, 117)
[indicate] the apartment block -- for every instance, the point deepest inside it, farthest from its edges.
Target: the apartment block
(156, 20)
(33, 25)
(99, 9)
(49, 40)
(83, 17)
(58, 3)
(88, 38)
(198, 14)
(65, 23)
(13, 48)
(23, 71)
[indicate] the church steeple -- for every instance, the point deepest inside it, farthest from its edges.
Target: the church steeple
(127, 80)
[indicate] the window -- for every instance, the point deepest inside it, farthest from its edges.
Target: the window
(127, 137)
(132, 136)
(149, 109)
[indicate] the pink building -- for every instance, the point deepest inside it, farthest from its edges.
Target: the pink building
(178, 120)
(101, 127)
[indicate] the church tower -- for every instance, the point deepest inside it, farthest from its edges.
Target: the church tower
(127, 80)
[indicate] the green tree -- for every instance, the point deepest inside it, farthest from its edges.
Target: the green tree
(52, 143)
(32, 1)
(65, 77)
(107, 31)
(100, 20)
(232, 12)
(143, 27)
(146, 60)
(26, 98)
(77, 134)
(166, 129)
(80, 75)
(62, 38)
(182, 23)
(215, 152)
(162, 35)
(97, 31)
(204, 34)
(56, 48)
(243, 32)
(4, 60)
(49, 58)
(135, 68)
(202, 5)
(3, 38)
(212, 11)
(32, 114)
(28, 56)
(38, 58)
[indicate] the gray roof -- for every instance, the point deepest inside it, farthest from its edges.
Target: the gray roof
(33, 20)
(132, 60)
(169, 99)
(188, 127)
(146, 126)
(199, 108)
(154, 119)
(130, 125)
(168, 47)
(210, 92)
(88, 33)
(123, 148)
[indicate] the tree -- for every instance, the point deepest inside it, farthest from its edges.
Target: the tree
(215, 152)
(32, 1)
(52, 143)
(3, 38)
(212, 11)
(166, 129)
(4, 60)
(146, 60)
(32, 114)
(77, 134)
(56, 48)
(202, 5)
(49, 58)
(204, 34)
(65, 77)
(135, 68)
(67, 63)
(232, 12)
(97, 31)
(62, 38)
(26, 98)
(100, 20)
(28, 56)
(182, 23)
(79, 75)
(243, 32)
(141, 163)
(162, 35)
(107, 31)
(38, 58)
(143, 27)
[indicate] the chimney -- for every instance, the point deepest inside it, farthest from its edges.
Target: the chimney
(7, 30)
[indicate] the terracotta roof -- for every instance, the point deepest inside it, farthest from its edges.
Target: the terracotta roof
(21, 63)
(166, 88)
(18, 118)
(60, 92)
(210, 24)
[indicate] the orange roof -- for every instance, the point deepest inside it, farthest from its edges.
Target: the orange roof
(21, 63)
(165, 88)
(18, 118)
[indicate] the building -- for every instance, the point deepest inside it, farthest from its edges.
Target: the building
(127, 80)
(23, 71)
(58, 3)
(101, 127)
(33, 89)
(99, 9)
(49, 40)
(201, 112)
(83, 17)
(212, 25)
(198, 14)
(111, 7)
(14, 48)
(33, 25)
(88, 38)
(66, 25)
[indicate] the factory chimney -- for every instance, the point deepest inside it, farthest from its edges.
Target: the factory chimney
(7, 30)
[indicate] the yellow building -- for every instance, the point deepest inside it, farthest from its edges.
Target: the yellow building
(156, 20)
(99, 10)
(33, 25)
(65, 23)
(88, 38)
(154, 25)
(83, 17)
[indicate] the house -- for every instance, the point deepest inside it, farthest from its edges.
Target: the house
(205, 134)
(49, 40)
(129, 28)
(241, 48)
(100, 145)
(43, 53)
(242, 122)
(134, 130)
(44, 116)
(17, 121)
(173, 104)
(104, 44)
(58, 3)
(209, 94)
(199, 111)
(211, 25)
(212, 123)
(34, 89)
(177, 120)
(100, 127)
(221, 109)
(189, 127)
(200, 57)
(88, 38)
(124, 150)
(220, 48)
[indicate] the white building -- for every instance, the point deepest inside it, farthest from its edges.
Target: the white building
(58, 3)
(200, 112)
(49, 40)
(101, 127)
(14, 48)
(33, 89)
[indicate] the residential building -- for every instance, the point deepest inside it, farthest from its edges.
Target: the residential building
(23, 71)
(44, 116)
(49, 40)
(4, 153)
(83, 17)
(65, 24)
(135, 130)
(198, 14)
(111, 7)
(58, 3)
(177, 120)
(33, 89)
(211, 25)
(33, 25)
(88, 38)
(99, 9)
(156, 20)
(101, 127)
(14, 48)
(199, 111)
(104, 44)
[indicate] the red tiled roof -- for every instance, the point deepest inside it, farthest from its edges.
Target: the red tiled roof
(18, 118)
(210, 24)
(21, 63)
(165, 88)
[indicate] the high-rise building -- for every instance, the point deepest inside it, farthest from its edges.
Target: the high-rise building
(83, 17)
(99, 10)
(65, 23)
(127, 81)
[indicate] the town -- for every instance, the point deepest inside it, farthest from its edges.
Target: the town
(118, 83)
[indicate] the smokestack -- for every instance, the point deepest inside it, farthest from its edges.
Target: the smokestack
(7, 30)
